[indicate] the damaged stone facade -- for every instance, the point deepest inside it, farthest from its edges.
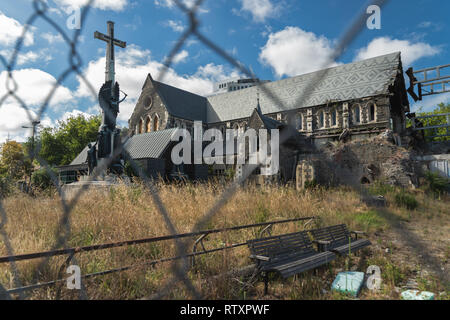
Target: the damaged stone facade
(362, 162)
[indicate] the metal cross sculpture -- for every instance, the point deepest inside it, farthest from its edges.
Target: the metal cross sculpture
(109, 39)
(109, 135)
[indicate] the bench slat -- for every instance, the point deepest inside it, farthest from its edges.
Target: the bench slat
(293, 267)
(339, 237)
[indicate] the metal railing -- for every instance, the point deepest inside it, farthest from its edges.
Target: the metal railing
(419, 126)
(79, 250)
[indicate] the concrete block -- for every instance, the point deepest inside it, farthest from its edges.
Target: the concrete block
(348, 282)
(417, 295)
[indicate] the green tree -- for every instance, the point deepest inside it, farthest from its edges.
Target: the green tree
(436, 121)
(60, 145)
(14, 163)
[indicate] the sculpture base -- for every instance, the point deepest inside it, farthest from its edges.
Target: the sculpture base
(101, 184)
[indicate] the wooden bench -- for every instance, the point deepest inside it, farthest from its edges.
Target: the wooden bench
(338, 239)
(287, 254)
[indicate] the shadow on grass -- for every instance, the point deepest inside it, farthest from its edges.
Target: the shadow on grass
(415, 243)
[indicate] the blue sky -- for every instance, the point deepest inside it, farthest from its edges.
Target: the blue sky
(276, 39)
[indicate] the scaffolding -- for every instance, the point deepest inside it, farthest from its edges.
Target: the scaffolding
(429, 81)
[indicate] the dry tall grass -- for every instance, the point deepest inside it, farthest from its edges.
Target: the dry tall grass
(129, 213)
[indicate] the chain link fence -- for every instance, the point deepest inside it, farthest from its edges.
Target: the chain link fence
(180, 267)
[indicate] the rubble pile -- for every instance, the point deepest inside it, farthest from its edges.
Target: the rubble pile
(364, 161)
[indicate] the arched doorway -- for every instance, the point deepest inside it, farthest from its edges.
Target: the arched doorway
(365, 180)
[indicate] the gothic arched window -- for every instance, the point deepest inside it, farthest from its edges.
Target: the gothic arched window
(321, 119)
(371, 112)
(148, 124)
(155, 123)
(298, 121)
(333, 118)
(141, 126)
(356, 114)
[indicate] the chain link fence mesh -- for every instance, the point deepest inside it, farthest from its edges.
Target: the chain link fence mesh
(178, 268)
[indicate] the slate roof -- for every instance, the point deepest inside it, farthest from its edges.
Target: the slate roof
(81, 157)
(140, 146)
(182, 104)
(355, 80)
(269, 123)
(360, 79)
(149, 145)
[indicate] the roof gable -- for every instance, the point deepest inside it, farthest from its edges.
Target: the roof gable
(181, 103)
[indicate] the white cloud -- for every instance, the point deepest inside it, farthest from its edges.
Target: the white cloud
(27, 57)
(267, 31)
(132, 66)
(410, 51)
(75, 113)
(52, 38)
(33, 87)
(55, 11)
(431, 25)
(260, 9)
(115, 5)
(180, 57)
(425, 24)
(11, 30)
(13, 118)
(430, 103)
(176, 26)
(294, 51)
(188, 3)
(165, 3)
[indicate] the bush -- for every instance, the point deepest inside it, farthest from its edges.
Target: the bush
(379, 188)
(436, 184)
(311, 184)
(406, 201)
(129, 170)
(6, 186)
(41, 178)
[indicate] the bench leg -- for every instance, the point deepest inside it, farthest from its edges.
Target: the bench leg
(266, 283)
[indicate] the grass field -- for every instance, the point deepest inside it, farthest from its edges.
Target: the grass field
(409, 241)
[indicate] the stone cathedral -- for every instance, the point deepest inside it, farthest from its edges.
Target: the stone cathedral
(349, 102)
(366, 97)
